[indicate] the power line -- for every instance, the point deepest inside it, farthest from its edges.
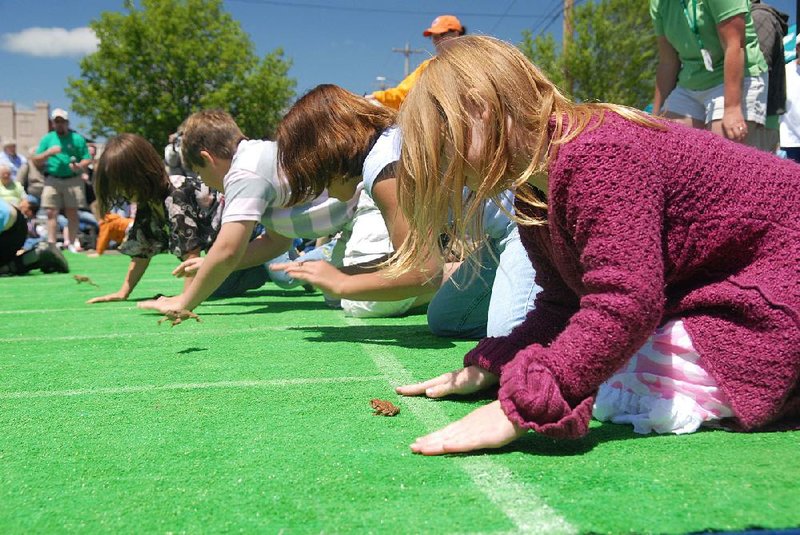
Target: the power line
(510, 5)
(376, 9)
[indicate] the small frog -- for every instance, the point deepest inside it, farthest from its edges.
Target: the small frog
(178, 316)
(384, 408)
(83, 278)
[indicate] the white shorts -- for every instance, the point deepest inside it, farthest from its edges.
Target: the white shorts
(363, 240)
(709, 104)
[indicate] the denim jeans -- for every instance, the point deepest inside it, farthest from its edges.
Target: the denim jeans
(281, 279)
(490, 302)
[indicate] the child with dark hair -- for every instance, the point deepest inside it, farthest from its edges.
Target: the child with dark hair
(175, 213)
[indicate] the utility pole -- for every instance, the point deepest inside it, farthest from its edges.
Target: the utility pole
(407, 52)
(566, 42)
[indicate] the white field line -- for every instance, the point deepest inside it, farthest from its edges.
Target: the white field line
(518, 501)
(158, 330)
(187, 386)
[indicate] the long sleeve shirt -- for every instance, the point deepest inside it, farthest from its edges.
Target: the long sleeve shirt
(644, 225)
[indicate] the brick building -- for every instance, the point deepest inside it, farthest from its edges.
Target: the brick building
(26, 126)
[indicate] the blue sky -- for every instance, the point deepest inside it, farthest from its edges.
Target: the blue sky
(346, 42)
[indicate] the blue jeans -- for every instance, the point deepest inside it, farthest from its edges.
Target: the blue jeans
(490, 302)
(238, 282)
(281, 279)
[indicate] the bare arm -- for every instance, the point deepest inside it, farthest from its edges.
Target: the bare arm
(732, 38)
(366, 282)
(189, 277)
(669, 64)
(40, 159)
(264, 248)
(136, 270)
(222, 259)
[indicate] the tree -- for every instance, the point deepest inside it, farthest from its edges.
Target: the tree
(156, 65)
(612, 56)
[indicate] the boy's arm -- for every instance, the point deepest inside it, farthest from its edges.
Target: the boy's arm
(264, 248)
(222, 259)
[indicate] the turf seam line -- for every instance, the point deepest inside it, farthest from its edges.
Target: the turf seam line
(189, 386)
(520, 503)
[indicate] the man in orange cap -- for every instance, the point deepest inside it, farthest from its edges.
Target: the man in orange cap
(443, 29)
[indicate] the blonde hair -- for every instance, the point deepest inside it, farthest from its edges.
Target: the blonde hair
(484, 76)
(214, 131)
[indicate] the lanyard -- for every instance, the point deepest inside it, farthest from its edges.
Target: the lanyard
(693, 23)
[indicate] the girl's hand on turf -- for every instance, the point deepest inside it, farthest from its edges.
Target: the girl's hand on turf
(464, 381)
(116, 296)
(319, 273)
(487, 427)
(188, 268)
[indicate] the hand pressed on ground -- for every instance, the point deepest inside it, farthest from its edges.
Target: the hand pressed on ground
(463, 381)
(487, 427)
(116, 296)
(162, 304)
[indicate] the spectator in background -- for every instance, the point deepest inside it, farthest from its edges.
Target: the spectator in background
(10, 158)
(31, 177)
(91, 199)
(790, 121)
(10, 190)
(711, 73)
(15, 261)
(66, 156)
(443, 29)
(771, 26)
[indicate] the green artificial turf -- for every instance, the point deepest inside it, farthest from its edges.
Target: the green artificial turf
(257, 419)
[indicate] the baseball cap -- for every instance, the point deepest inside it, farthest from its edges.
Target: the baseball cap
(58, 113)
(444, 24)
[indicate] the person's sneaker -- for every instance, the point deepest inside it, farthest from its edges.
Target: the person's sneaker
(51, 260)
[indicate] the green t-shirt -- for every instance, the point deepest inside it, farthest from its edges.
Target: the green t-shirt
(670, 20)
(72, 146)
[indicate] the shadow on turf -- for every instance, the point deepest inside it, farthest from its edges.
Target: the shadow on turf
(407, 336)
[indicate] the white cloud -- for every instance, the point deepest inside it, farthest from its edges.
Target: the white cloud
(51, 42)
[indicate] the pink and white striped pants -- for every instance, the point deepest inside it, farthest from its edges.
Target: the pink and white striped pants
(662, 388)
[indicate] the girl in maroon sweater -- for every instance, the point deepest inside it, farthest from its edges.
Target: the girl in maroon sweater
(649, 240)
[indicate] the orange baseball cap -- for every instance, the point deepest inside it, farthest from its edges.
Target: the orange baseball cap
(443, 24)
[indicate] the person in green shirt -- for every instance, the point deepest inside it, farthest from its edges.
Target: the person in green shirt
(711, 73)
(64, 157)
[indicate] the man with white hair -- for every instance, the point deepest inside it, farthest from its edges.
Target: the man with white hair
(10, 158)
(66, 156)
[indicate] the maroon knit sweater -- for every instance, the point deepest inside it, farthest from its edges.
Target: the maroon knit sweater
(644, 226)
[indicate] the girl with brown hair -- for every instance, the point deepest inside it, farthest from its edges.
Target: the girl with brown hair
(335, 140)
